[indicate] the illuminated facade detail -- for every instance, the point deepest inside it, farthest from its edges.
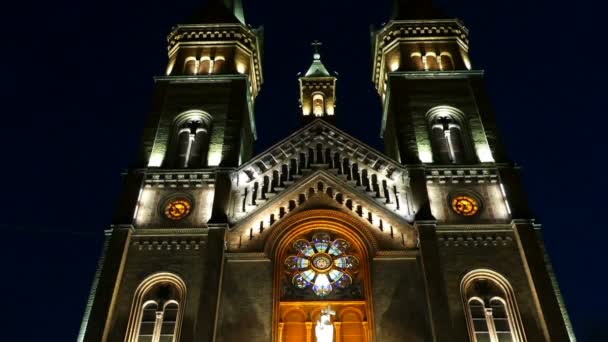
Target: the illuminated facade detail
(317, 90)
(321, 236)
(491, 308)
(157, 309)
(178, 208)
(191, 140)
(465, 205)
(318, 104)
(446, 62)
(321, 264)
(448, 138)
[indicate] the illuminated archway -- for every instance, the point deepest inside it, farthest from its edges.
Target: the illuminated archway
(297, 310)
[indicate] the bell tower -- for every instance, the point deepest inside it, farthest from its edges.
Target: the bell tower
(434, 104)
(317, 90)
(437, 121)
(203, 112)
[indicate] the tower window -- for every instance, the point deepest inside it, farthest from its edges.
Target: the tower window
(157, 309)
(205, 66)
(445, 62)
(430, 61)
(318, 104)
(491, 309)
(191, 66)
(192, 141)
(449, 137)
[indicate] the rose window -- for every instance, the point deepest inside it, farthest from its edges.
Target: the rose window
(322, 264)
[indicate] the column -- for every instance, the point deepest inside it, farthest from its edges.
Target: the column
(281, 327)
(337, 328)
(308, 331)
(366, 331)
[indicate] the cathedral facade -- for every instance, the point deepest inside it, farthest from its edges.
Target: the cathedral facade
(321, 237)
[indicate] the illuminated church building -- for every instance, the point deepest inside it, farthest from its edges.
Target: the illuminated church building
(321, 237)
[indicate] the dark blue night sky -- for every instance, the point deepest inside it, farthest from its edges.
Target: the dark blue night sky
(77, 85)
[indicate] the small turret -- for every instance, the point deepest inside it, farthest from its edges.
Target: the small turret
(317, 90)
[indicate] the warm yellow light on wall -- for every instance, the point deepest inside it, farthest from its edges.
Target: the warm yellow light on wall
(329, 110)
(306, 110)
(170, 67)
(241, 68)
(394, 66)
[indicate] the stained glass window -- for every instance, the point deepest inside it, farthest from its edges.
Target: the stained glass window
(322, 264)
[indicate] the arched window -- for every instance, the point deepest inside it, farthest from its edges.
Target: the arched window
(191, 142)
(205, 68)
(430, 61)
(447, 135)
(318, 104)
(157, 309)
(490, 307)
(191, 66)
(445, 61)
(218, 65)
(417, 61)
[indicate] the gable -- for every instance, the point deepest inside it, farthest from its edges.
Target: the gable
(319, 146)
(323, 189)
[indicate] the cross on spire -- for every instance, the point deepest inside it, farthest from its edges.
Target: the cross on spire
(315, 45)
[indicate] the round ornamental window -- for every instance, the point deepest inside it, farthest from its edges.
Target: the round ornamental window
(177, 208)
(322, 264)
(465, 205)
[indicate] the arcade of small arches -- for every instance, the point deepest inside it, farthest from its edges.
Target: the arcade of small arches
(204, 66)
(432, 61)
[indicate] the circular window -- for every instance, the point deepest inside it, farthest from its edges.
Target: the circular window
(177, 208)
(322, 264)
(465, 205)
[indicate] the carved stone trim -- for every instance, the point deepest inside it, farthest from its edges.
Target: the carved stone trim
(476, 240)
(159, 244)
(468, 175)
(178, 178)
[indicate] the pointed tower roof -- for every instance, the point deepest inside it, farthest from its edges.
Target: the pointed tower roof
(416, 9)
(317, 69)
(219, 12)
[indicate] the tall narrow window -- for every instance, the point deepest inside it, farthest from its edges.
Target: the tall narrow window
(218, 65)
(430, 62)
(205, 66)
(148, 322)
(447, 139)
(157, 310)
(417, 63)
(191, 142)
(318, 105)
(445, 61)
(491, 308)
(191, 66)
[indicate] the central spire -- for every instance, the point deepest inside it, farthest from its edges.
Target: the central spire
(317, 89)
(317, 69)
